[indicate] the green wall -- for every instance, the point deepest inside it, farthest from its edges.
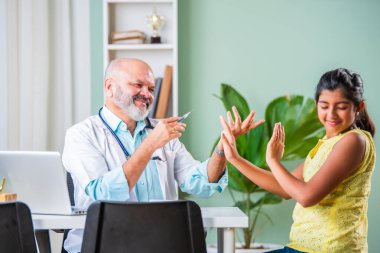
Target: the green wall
(96, 34)
(265, 49)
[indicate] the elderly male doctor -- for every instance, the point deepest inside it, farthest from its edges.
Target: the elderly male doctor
(122, 155)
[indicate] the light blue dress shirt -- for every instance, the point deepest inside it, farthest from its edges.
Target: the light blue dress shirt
(114, 185)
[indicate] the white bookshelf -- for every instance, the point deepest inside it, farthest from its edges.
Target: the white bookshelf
(124, 15)
(140, 47)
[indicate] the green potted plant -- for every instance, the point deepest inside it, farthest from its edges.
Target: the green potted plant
(302, 128)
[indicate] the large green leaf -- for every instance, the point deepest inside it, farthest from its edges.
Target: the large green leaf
(246, 205)
(257, 140)
(231, 97)
(275, 112)
(269, 199)
(299, 118)
(238, 181)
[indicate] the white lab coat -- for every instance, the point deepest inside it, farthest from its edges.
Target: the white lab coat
(91, 151)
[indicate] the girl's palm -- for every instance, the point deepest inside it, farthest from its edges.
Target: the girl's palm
(275, 147)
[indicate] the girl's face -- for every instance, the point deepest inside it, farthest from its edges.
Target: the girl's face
(335, 112)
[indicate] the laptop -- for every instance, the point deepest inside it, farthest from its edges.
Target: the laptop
(38, 179)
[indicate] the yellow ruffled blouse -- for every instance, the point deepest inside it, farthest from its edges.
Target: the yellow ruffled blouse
(338, 223)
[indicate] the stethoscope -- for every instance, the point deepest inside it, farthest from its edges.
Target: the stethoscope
(126, 153)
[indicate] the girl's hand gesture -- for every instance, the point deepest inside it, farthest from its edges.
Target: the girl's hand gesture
(275, 147)
(228, 141)
(239, 128)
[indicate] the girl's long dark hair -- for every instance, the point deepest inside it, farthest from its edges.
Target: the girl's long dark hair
(352, 86)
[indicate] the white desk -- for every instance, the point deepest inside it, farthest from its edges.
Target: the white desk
(225, 219)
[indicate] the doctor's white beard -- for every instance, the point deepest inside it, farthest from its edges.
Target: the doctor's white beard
(125, 102)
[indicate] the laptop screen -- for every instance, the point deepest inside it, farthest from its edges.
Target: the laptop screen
(38, 179)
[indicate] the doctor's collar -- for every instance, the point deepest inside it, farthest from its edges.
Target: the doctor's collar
(148, 123)
(112, 122)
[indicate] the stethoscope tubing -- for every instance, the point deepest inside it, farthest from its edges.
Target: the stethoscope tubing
(126, 153)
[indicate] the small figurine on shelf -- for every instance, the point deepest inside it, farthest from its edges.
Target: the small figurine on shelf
(6, 197)
(156, 22)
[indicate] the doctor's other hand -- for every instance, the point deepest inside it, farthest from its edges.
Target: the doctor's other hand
(165, 131)
(276, 145)
(237, 126)
(228, 142)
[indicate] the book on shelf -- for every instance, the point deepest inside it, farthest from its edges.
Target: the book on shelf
(128, 37)
(164, 97)
(156, 96)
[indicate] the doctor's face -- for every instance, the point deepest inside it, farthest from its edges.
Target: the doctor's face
(134, 92)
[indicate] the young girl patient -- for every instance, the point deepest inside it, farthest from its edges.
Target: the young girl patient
(332, 185)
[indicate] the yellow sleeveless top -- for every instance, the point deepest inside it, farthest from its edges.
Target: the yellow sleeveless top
(338, 223)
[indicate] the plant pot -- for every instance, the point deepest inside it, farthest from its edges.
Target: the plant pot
(255, 248)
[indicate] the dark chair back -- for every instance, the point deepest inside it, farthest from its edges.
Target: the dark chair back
(160, 227)
(16, 228)
(70, 188)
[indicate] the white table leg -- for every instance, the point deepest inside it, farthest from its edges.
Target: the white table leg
(226, 240)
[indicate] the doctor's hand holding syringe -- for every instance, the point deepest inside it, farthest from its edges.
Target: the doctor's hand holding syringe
(167, 130)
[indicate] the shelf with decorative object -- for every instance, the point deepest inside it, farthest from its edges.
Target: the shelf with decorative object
(129, 27)
(140, 47)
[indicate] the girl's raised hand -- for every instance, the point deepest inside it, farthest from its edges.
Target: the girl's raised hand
(276, 144)
(239, 128)
(228, 141)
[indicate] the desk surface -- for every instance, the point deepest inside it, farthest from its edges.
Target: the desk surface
(213, 217)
